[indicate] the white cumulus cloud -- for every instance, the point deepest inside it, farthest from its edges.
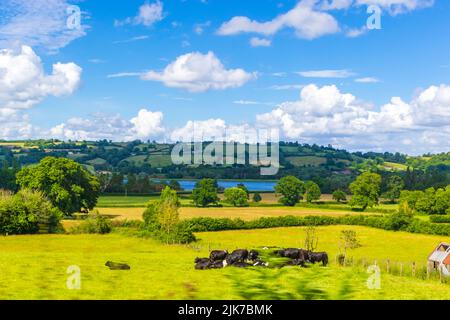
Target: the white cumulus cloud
(307, 22)
(148, 15)
(146, 125)
(23, 82)
(197, 72)
(326, 115)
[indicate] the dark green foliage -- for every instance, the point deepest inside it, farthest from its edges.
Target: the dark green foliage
(393, 222)
(205, 193)
(339, 195)
(291, 189)
(28, 212)
(64, 182)
(440, 219)
(312, 191)
(365, 190)
(430, 201)
(394, 186)
(257, 197)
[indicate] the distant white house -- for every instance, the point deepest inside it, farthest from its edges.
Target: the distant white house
(439, 259)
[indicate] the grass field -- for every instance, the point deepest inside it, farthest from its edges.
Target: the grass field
(155, 160)
(306, 161)
(34, 267)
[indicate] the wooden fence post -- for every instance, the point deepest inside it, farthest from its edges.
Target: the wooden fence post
(388, 266)
(413, 269)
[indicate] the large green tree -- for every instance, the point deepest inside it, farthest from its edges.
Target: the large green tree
(237, 197)
(205, 193)
(365, 190)
(312, 191)
(291, 190)
(64, 182)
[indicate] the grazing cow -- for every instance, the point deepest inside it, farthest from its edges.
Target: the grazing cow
(218, 255)
(253, 255)
(204, 260)
(293, 253)
(239, 255)
(319, 257)
(117, 266)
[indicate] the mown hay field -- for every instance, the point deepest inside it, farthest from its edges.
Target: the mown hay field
(35, 267)
(248, 213)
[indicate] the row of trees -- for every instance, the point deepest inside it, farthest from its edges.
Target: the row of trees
(430, 201)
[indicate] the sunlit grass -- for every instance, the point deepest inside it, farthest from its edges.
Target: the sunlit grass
(34, 267)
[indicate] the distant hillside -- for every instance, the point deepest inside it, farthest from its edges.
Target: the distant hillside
(330, 167)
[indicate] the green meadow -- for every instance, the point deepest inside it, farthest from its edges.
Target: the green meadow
(35, 267)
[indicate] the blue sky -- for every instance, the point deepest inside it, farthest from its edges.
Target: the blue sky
(308, 68)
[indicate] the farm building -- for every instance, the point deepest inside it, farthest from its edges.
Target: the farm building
(439, 259)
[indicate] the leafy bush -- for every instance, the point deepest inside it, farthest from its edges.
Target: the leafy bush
(95, 223)
(440, 219)
(257, 197)
(28, 212)
(395, 222)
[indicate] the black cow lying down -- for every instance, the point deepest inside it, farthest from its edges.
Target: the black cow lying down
(239, 255)
(117, 266)
(238, 258)
(218, 255)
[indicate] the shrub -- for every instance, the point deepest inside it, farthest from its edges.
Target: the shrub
(28, 212)
(257, 197)
(339, 195)
(95, 223)
(440, 219)
(161, 220)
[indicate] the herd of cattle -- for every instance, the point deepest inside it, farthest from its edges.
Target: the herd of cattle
(243, 258)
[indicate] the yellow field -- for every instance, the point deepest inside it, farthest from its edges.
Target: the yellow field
(248, 213)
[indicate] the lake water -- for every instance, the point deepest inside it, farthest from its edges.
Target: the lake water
(268, 186)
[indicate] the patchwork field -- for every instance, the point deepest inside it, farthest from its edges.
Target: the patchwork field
(34, 267)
